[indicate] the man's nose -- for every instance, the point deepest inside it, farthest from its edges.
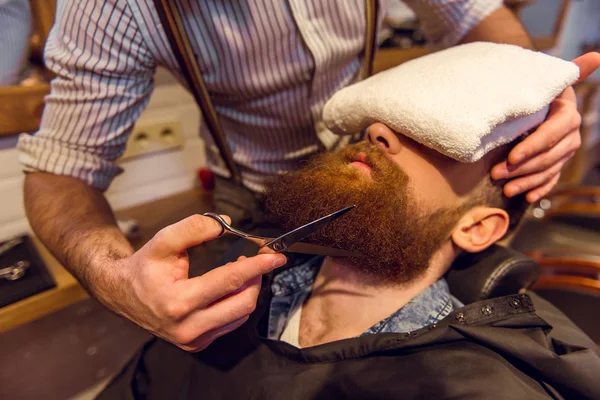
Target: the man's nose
(382, 136)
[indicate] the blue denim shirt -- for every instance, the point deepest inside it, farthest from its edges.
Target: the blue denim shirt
(291, 286)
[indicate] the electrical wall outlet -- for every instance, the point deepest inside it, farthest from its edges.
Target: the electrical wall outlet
(153, 137)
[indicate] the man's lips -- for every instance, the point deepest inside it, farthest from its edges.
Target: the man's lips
(360, 161)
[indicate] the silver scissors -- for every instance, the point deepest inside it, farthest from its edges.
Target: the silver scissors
(291, 241)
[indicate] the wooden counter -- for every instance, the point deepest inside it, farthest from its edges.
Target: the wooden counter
(388, 58)
(67, 291)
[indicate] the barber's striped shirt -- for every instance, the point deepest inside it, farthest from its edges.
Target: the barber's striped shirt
(15, 32)
(270, 65)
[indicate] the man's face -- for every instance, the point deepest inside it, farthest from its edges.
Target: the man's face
(408, 199)
(437, 180)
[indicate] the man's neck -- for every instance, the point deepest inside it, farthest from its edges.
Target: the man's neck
(344, 303)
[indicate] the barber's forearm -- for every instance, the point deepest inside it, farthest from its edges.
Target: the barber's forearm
(501, 26)
(76, 223)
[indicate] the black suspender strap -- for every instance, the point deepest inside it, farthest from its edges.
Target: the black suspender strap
(180, 44)
(188, 64)
(370, 37)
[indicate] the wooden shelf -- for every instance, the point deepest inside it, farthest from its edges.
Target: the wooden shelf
(21, 108)
(388, 58)
(66, 292)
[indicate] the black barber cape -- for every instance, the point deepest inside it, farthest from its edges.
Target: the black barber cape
(512, 347)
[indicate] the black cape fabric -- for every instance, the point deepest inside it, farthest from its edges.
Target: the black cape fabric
(512, 347)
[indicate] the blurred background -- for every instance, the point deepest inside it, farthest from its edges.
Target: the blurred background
(55, 342)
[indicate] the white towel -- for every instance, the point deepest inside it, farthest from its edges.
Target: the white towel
(463, 102)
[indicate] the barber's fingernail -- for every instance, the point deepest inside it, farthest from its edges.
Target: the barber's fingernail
(279, 260)
(533, 198)
(518, 158)
(500, 173)
(513, 191)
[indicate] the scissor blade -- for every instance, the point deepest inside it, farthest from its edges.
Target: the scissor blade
(300, 233)
(307, 248)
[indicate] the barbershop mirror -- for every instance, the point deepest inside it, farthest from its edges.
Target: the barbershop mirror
(24, 28)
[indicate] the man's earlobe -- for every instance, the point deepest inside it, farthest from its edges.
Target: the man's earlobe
(480, 228)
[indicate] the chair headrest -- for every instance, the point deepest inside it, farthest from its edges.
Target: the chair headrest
(494, 272)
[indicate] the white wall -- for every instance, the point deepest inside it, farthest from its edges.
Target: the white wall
(145, 178)
(158, 175)
(582, 26)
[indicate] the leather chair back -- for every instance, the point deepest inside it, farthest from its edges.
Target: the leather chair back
(494, 272)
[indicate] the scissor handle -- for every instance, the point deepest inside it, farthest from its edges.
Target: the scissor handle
(220, 220)
(226, 228)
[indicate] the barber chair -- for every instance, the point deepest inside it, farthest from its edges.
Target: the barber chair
(567, 278)
(571, 281)
(494, 272)
(497, 271)
(564, 240)
(579, 207)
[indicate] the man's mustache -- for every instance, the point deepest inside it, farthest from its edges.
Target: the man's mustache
(374, 156)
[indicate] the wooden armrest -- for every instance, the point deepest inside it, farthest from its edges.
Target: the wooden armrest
(567, 269)
(593, 210)
(574, 201)
(568, 262)
(567, 282)
(576, 192)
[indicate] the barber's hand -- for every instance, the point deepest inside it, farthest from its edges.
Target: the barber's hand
(535, 163)
(188, 312)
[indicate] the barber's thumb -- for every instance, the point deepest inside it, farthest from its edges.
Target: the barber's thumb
(182, 235)
(261, 264)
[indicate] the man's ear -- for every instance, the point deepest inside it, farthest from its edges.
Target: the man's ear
(479, 228)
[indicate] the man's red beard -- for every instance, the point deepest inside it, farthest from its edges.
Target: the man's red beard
(396, 235)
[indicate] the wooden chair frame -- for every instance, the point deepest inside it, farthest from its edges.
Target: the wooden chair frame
(568, 269)
(574, 201)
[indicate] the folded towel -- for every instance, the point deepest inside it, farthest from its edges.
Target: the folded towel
(463, 102)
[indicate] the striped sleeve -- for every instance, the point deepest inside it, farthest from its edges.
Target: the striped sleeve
(104, 81)
(446, 22)
(15, 25)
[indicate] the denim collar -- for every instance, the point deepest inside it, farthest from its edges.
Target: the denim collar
(290, 286)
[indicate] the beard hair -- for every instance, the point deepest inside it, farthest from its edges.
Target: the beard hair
(396, 235)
